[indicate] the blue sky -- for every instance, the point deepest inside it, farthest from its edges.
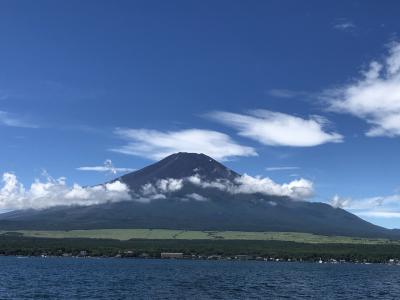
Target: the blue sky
(280, 89)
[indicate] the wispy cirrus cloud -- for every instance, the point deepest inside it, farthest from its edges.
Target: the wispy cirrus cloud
(375, 97)
(283, 168)
(155, 145)
(12, 120)
(344, 25)
(279, 129)
(107, 167)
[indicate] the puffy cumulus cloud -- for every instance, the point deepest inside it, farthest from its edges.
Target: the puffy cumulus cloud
(218, 184)
(107, 167)
(279, 129)
(375, 97)
(158, 190)
(169, 185)
(156, 144)
(296, 189)
(55, 192)
(339, 202)
(163, 188)
(299, 189)
(196, 197)
(381, 206)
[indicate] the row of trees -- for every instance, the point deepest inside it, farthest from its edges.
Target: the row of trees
(16, 245)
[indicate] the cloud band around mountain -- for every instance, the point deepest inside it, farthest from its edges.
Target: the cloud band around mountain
(55, 192)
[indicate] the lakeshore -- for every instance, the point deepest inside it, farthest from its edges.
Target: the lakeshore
(197, 249)
(193, 257)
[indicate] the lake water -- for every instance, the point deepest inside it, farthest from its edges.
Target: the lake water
(74, 278)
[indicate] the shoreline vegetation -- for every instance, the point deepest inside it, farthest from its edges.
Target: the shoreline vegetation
(169, 234)
(157, 243)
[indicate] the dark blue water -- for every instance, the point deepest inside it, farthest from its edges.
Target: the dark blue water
(73, 278)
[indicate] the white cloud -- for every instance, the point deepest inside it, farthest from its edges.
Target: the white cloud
(344, 25)
(219, 183)
(55, 192)
(158, 190)
(196, 197)
(281, 168)
(299, 189)
(382, 206)
(375, 97)
(169, 185)
(279, 129)
(11, 120)
(107, 167)
(296, 189)
(340, 202)
(156, 145)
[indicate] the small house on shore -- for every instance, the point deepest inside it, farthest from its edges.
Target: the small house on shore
(171, 255)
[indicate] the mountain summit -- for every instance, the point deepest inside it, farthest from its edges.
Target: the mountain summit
(186, 191)
(177, 166)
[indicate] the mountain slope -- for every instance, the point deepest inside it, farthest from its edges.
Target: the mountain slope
(179, 165)
(216, 209)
